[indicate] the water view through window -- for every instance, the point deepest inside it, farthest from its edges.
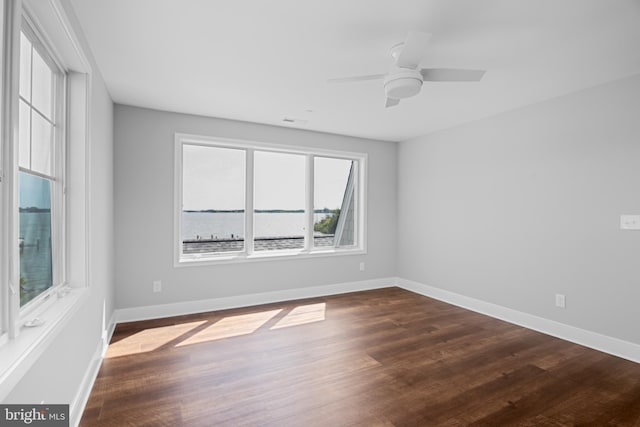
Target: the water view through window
(279, 200)
(36, 274)
(215, 188)
(213, 197)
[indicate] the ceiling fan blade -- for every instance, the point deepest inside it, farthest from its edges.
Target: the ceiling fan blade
(391, 102)
(451, 75)
(357, 78)
(413, 50)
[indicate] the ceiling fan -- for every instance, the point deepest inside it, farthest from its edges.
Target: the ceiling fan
(405, 80)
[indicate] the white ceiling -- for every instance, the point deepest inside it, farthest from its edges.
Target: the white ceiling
(262, 61)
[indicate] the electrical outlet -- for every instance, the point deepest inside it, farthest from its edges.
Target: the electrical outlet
(362, 266)
(560, 301)
(157, 286)
(630, 222)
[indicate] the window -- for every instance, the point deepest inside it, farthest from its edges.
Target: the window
(278, 201)
(238, 200)
(334, 202)
(40, 169)
(213, 198)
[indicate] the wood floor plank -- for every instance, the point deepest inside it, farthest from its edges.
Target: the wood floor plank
(386, 357)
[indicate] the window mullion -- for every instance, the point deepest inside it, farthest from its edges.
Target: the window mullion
(58, 170)
(309, 221)
(38, 174)
(41, 114)
(248, 204)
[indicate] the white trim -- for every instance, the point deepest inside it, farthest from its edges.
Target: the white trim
(594, 340)
(249, 185)
(199, 306)
(88, 143)
(10, 273)
(234, 258)
(81, 398)
(57, 30)
(4, 279)
(78, 172)
(84, 391)
(73, 40)
(110, 330)
(19, 354)
(362, 191)
(205, 140)
(309, 194)
(177, 199)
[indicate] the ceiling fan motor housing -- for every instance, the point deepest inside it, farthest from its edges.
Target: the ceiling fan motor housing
(403, 83)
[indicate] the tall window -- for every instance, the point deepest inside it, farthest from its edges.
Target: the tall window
(334, 202)
(40, 163)
(213, 199)
(279, 201)
(240, 200)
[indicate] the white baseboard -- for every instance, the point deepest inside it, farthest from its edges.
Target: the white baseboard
(614, 346)
(111, 327)
(200, 306)
(82, 396)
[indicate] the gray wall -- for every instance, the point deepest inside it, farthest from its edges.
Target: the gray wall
(57, 375)
(516, 208)
(144, 180)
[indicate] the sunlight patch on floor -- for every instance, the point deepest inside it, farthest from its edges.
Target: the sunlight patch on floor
(302, 315)
(232, 326)
(149, 339)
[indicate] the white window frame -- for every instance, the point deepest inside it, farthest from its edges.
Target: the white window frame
(248, 254)
(57, 176)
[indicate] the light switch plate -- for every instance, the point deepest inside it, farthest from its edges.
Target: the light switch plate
(630, 222)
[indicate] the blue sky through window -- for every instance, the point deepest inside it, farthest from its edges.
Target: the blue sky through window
(213, 178)
(35, 192)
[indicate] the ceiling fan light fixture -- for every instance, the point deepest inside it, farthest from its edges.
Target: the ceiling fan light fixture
(403, 84)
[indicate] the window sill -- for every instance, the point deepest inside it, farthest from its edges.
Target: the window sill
(19, 354)
(208, 259)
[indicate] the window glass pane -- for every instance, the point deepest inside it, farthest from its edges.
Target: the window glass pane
(41, 144)
(213, 196)
(279, 201)
(35, 236)
(25, 67)
(42, 85)
(332, 204)
(24, 135)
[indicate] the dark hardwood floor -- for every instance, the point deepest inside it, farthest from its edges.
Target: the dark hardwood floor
(378, 358)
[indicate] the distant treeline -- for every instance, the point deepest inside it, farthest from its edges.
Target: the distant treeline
(34, 210)
(324, 210)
